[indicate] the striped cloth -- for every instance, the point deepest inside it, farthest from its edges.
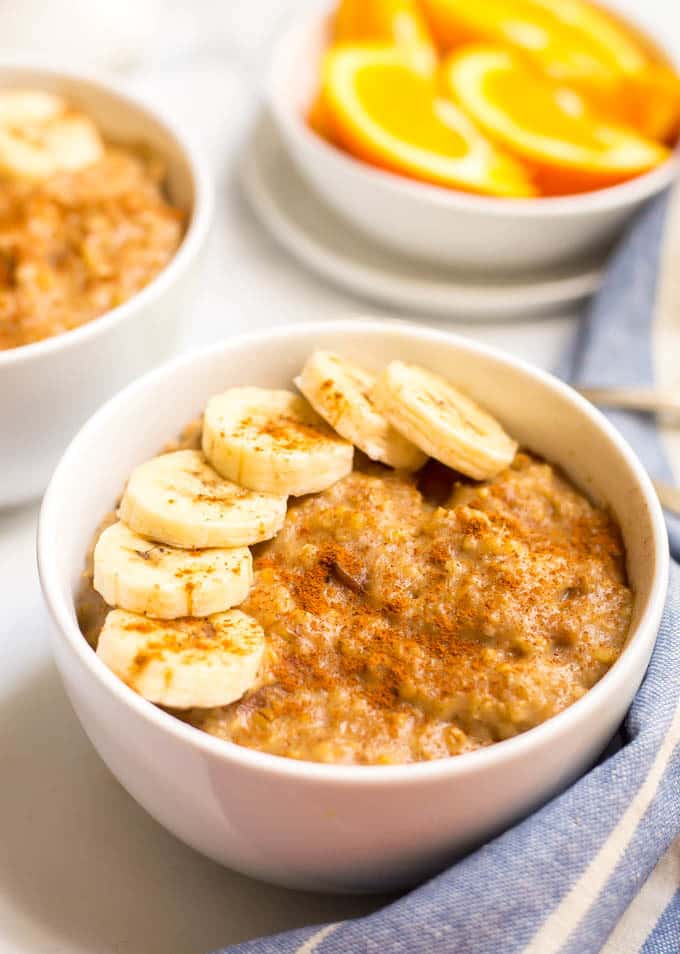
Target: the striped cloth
(597, 870)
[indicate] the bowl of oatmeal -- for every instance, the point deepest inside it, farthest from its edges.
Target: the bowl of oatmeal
(353, 571)
(104, 206)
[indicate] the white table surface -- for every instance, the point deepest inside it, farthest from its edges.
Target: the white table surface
(82, 867)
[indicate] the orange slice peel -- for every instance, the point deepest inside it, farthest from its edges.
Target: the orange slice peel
(546, 124)
(389, 114)
(387, 21)
(569, 38)
(623, 74)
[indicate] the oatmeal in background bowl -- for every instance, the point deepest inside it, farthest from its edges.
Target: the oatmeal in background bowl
(84, 223)
(104, 208)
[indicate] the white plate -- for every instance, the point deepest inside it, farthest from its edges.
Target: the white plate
(316, 236)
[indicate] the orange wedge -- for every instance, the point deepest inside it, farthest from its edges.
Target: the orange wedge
(377, 21)
(568, 37)
(575, 42)
(544, 123)
(650, 101)
(386, 21)
(388, 113)
(319, 119)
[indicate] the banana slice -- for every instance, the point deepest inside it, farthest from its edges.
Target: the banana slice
(73, 142)
(179, 500)
(38, 138)
(339, 391)
(442, 421)
(184, 663)
(273, 441)
(134, 574)
(22, 107)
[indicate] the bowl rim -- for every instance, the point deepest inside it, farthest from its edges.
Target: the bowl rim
(67, 632)
(198, 226)
(294, 128)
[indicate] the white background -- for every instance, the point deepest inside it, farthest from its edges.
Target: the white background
(82, 867)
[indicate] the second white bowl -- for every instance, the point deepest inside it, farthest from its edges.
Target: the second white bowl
(49, 388)
(430, 222)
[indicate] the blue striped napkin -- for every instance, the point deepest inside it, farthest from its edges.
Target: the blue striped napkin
(597, 870)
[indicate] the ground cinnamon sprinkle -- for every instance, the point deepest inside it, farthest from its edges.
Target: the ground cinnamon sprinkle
(410, 620)
(287, 431)
(293, 434)
(81, 243)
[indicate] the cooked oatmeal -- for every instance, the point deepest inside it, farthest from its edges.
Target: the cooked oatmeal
(80, 243)
(412, 617)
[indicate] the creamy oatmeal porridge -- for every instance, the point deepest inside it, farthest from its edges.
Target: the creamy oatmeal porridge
(84, 224)
(402, 630)
(409, 615)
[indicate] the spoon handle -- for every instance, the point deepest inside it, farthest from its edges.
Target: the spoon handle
(669, 496)
(635, 399)
(643, 399)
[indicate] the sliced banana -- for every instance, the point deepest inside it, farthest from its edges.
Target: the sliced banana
(39, 137)
(184, 663)
(179, 500)
(442, 421)
(73, 142)
(339, 391)
(273, 441)
(134, 574)
(22, 107)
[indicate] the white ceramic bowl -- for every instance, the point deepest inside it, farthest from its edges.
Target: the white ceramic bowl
(49, 388)
(328, 827)
(434, 223)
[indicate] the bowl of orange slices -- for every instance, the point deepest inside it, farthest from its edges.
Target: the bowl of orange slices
(509, 135)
